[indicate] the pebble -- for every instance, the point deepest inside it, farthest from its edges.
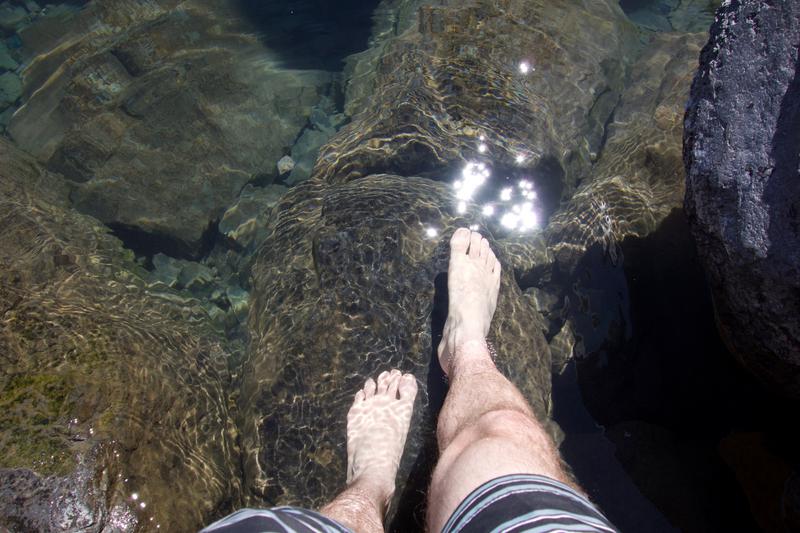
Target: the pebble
(285, 164)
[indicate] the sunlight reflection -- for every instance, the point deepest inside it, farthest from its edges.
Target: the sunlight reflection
(520, 217)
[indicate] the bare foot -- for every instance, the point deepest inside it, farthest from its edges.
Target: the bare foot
(377, 426)
(473, 280)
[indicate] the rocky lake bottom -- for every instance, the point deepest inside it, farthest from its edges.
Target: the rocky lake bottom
(219, 217)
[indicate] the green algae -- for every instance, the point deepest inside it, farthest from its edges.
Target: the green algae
(30, 406)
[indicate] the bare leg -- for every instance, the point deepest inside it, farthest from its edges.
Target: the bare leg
(486, 428)
(377, 426)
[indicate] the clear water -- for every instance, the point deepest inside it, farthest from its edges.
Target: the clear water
(169, 123)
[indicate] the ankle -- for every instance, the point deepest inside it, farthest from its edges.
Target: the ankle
(378, 493)
(358, 508)
(471, 357)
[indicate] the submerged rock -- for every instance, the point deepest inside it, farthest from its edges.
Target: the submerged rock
(671, 15)
(633, 188)
(349, 283)
(157, 111)
(10, 89)
(639, 177)
(694, 15)
(743, 183)
(304, 153)
(322, 125)
(5, 117)
(113, 404)
(285, 165)
(6, 61)
(246, 221)
(11, 17)
(530, 79)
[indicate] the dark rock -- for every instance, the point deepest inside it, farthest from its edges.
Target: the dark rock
(769, 480)
(652, 355)
(107, 389)
(158, 112)
(742, 133)
(6, 61)
(348, 283)
(5, 117)
(686, 481)
(11, 17)
(52, 503)
(10, 89)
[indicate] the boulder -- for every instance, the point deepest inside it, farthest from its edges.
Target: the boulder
(496, 82)
(113, 403)
(742, 133)
(157, 113)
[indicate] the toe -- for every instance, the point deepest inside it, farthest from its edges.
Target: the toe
(460, 241)
(383, 382)
(394, 384)
(359, 397)
(475, 244)
(496, 269)
(369, 388)
(486, 252)
(407, 387)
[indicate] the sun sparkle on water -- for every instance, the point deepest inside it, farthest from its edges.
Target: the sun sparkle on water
(514, 216)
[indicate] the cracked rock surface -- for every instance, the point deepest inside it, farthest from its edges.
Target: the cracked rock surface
(743, 183)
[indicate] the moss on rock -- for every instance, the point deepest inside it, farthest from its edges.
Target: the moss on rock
(31, 406)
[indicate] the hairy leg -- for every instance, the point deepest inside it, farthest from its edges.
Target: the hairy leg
(486, 428)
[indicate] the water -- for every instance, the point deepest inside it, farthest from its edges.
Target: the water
(186, 312)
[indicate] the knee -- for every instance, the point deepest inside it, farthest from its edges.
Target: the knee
(509, 424)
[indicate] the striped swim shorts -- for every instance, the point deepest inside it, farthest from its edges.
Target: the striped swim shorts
(524, 502)
(515, 503)
(278, 520)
